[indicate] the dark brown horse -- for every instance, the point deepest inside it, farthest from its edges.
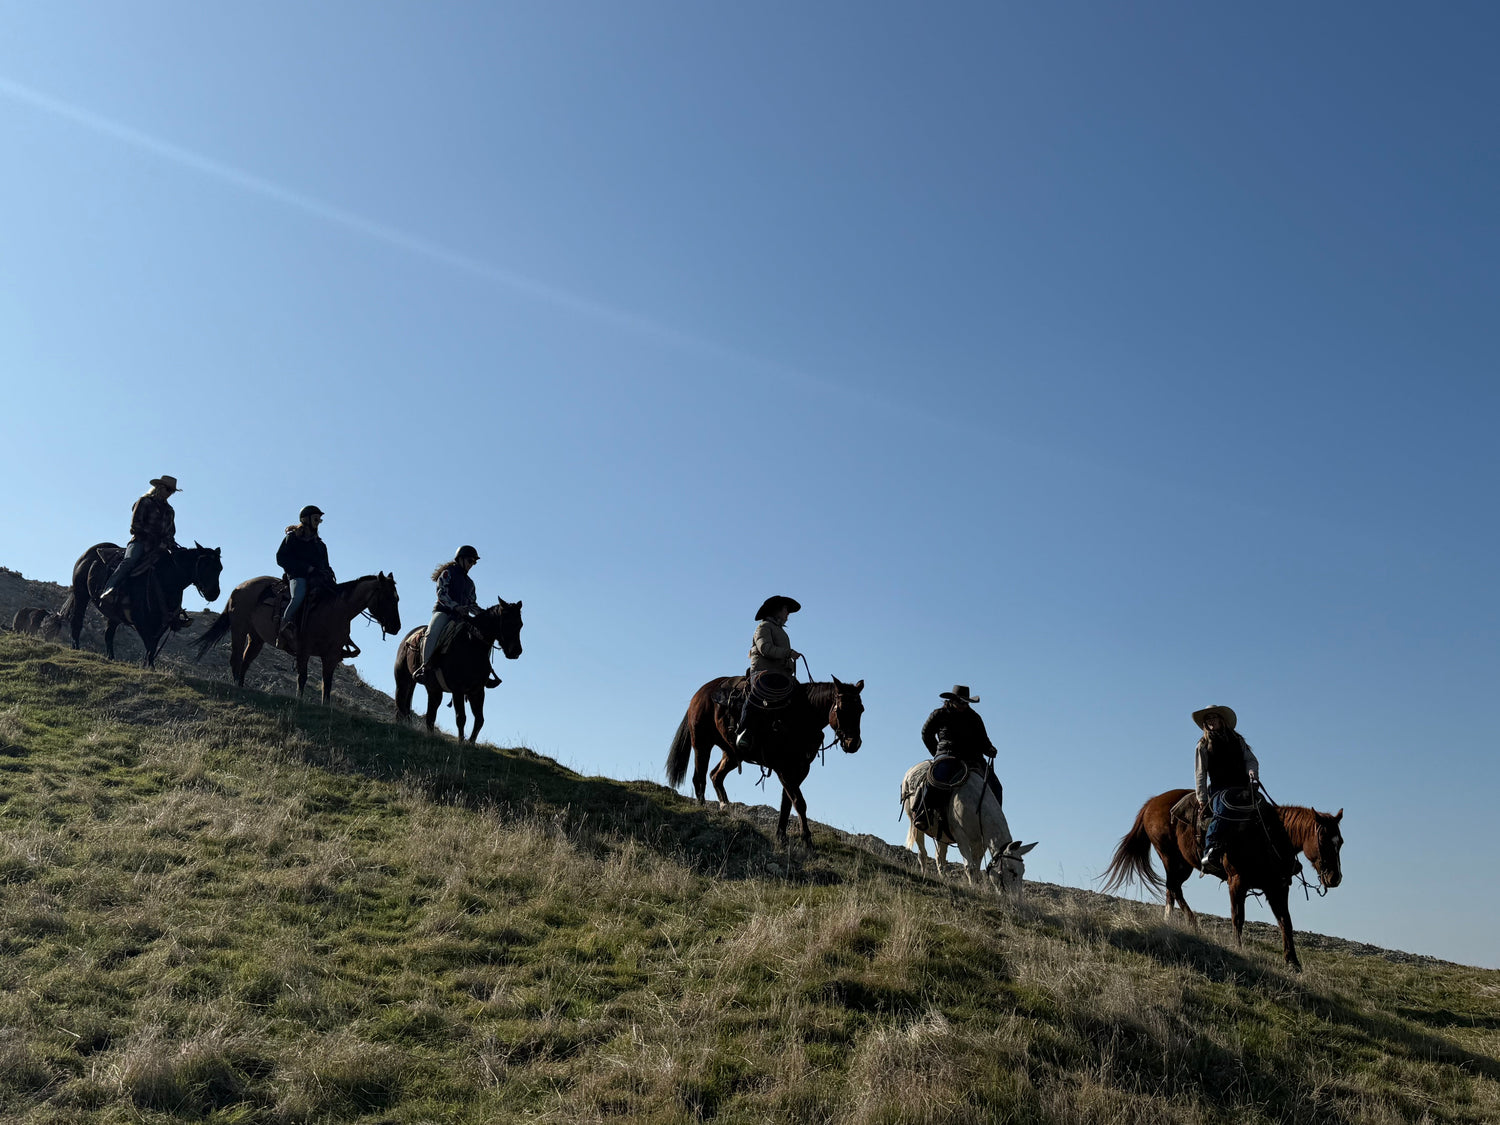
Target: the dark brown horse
(1261, 856)
(787, 748)
(252, 617)
(150, 603)
(44, 623)
(463, 669)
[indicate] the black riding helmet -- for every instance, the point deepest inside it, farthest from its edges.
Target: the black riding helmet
(467, 552)
(308, 512)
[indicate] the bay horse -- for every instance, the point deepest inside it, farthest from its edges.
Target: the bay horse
(1262, 856)
(787, 747)
(977, 826)
(150, 602)
(463, 668)
(252, 619)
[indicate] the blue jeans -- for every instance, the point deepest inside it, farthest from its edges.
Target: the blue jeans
(1216, 807)
(299, 595)
(133, 551)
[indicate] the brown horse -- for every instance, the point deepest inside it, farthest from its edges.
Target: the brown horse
(787, 749)
(463, 669)
(252, 616)
(149, 602)
(1262, 856)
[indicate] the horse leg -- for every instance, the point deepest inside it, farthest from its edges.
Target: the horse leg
(459, 716)
(303, 660)
(1276, 899)
(78, 611)
(253, 645)
(705, 734)
(330, 666)
(1177, 870)
(917, 840)
(476, 704)
(434, 701)
(794, 791)
(721, 771)
(1237, 892)
(786, 815)
(109, 639)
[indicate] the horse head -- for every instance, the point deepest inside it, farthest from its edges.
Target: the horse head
(385, 606)
(1323, 847)
(1009, 867)
(501, 624)
(208, 564)
(843, 715)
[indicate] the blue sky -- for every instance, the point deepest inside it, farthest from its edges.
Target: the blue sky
(1111, 362)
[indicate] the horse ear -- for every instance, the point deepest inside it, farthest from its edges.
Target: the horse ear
(1339, 815)
(1027, 848)
(518, 605)
(860, 686)
(838, 681)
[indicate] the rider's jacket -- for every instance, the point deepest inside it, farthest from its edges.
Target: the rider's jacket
(1222, 761)
(957, 730)
(771, 651)
(153, 523)
(455, 591)
(304, 556)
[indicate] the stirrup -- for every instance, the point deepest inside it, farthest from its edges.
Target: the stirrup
(349, 650)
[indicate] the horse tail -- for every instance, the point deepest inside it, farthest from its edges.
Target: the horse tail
(681, 751)
(406, 686)
(216, 633)
(1132, 860)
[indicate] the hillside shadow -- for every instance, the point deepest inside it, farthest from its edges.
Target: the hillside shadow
(592, 811)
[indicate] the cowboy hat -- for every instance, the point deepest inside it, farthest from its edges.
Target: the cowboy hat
(1225, 713)
(775, 602)
(165, 481)
(960, 691)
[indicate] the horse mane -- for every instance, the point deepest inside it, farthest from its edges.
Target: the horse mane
(820, 693)
(1300, 821)
(348, 587)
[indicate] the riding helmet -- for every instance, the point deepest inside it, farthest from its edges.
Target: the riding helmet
(309, 511)
(467, 552)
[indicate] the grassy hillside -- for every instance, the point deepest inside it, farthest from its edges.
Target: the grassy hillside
(218, 905)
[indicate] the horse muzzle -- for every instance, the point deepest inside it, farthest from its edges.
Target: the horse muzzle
(849, 745)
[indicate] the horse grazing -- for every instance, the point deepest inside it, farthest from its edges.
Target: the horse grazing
(148, 602)
(976, 824)
(463, 668)
(44, 623)
(1262, 856)
(786, 748)
(252, 616)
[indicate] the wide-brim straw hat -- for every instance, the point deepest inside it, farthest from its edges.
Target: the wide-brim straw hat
(960, 691)
(165, 481)
(775, 602)
(1225, 713)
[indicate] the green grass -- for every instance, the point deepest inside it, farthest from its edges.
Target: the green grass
(218, 905)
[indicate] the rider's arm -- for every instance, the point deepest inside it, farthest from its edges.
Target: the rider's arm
(929, 731)
(985, 745)
(1200, 778)
(1252, 767)
(765, 643)
(445, 598)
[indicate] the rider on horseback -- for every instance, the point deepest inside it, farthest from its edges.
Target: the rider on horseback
(153, 527)
(773, 661)
(1223, 763)
(457, 600)
(955, 729)
(303, 558)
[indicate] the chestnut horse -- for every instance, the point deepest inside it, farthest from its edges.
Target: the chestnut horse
(463, 669)
(252, 617)
(787, 747)
(150, 602)
(1262, 856)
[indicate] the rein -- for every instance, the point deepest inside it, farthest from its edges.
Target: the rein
(1301, 875)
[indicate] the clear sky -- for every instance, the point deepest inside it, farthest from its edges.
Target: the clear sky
(1113, 362)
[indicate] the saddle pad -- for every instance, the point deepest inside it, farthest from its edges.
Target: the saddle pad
(1186, 809)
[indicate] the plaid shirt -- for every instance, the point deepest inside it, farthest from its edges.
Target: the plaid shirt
(153, 522)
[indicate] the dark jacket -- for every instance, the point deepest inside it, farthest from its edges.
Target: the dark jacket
(958, 731)
(153, 522)
(455, 591)
(305, 557)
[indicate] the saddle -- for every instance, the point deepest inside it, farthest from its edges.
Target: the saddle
(113, 556)
(943, 776)
(435, 668)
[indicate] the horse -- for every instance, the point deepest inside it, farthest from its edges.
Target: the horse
(252, 615)
(786, 749)
(977, 825)
(149, 602)
(463, 668)
(44, 623)
(1262, 857)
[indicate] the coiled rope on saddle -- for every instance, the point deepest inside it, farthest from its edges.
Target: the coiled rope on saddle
(771, 690)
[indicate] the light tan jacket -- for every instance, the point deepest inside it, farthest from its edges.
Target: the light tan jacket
(771, 650)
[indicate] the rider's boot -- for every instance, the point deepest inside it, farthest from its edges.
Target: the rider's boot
(1213, 863)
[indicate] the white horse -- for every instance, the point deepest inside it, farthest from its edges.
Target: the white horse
(978, 826)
